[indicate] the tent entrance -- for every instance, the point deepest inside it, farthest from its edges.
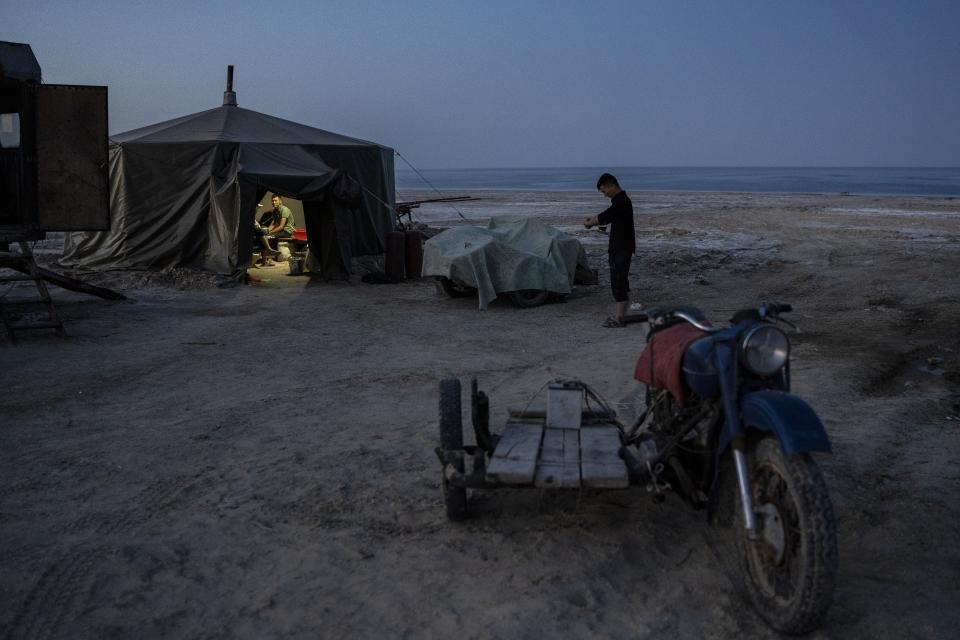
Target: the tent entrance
(318, 218)
(324, 259)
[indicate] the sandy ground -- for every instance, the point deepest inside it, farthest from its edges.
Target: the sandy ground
(258, 461)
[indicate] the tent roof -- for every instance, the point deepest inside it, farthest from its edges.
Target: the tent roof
(235, 124)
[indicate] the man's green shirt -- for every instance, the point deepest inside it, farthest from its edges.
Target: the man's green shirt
(273, 217)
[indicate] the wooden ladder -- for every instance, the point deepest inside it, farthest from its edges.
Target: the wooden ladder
(14, 321)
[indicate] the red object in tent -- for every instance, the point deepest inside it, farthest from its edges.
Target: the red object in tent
(299, 234)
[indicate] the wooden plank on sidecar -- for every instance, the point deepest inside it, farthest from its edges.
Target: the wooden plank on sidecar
(559, 464)
(600, 463)
(539, 411)
(514, 461)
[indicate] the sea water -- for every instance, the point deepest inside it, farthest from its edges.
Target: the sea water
(928, 181)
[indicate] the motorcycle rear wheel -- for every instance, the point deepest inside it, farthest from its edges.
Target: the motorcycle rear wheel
(790, 569)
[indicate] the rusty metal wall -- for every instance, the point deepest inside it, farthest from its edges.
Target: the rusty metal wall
(72, 161)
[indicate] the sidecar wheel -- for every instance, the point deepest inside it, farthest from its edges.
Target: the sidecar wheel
(451, 439)
(791, 568)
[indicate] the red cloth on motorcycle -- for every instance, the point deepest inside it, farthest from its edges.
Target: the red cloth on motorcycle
(661, 363)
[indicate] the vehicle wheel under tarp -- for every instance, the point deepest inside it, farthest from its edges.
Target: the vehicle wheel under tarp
(451, 440)
(527, 298)
(455, 289)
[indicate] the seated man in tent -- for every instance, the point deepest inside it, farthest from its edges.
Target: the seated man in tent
(275, 223)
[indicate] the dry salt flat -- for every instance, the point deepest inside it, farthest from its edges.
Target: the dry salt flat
(161, 478)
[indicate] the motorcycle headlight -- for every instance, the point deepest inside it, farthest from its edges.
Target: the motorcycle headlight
(765, 349)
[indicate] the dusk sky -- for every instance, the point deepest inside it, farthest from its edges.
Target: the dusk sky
(517, 84)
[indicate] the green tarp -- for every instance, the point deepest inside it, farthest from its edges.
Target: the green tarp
(511, 254)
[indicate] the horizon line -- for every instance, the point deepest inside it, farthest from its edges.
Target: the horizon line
(687, 166)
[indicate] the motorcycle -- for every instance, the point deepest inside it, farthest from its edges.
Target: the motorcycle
(722, 429)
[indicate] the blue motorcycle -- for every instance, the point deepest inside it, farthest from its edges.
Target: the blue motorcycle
(722, 430)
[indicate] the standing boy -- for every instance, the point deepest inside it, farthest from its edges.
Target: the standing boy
(619, 215)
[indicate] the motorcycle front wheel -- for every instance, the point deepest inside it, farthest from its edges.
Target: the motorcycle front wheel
(790, 566)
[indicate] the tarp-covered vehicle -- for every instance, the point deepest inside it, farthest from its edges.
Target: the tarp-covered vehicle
(521, 258)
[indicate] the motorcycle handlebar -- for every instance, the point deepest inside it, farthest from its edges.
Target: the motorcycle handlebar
(771, 310)
(695, 322)
(774, 310)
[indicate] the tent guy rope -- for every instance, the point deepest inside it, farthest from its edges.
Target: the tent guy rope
(400, 155)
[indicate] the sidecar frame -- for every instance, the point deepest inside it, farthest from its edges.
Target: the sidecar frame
(531, 454)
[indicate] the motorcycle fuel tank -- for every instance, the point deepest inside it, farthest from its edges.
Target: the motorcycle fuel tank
(698, 370)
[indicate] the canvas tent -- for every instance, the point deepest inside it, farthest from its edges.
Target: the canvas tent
(183, 193)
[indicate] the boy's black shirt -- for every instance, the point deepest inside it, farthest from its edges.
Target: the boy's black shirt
(619, 215)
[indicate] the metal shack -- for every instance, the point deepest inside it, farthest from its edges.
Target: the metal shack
(53, 152)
